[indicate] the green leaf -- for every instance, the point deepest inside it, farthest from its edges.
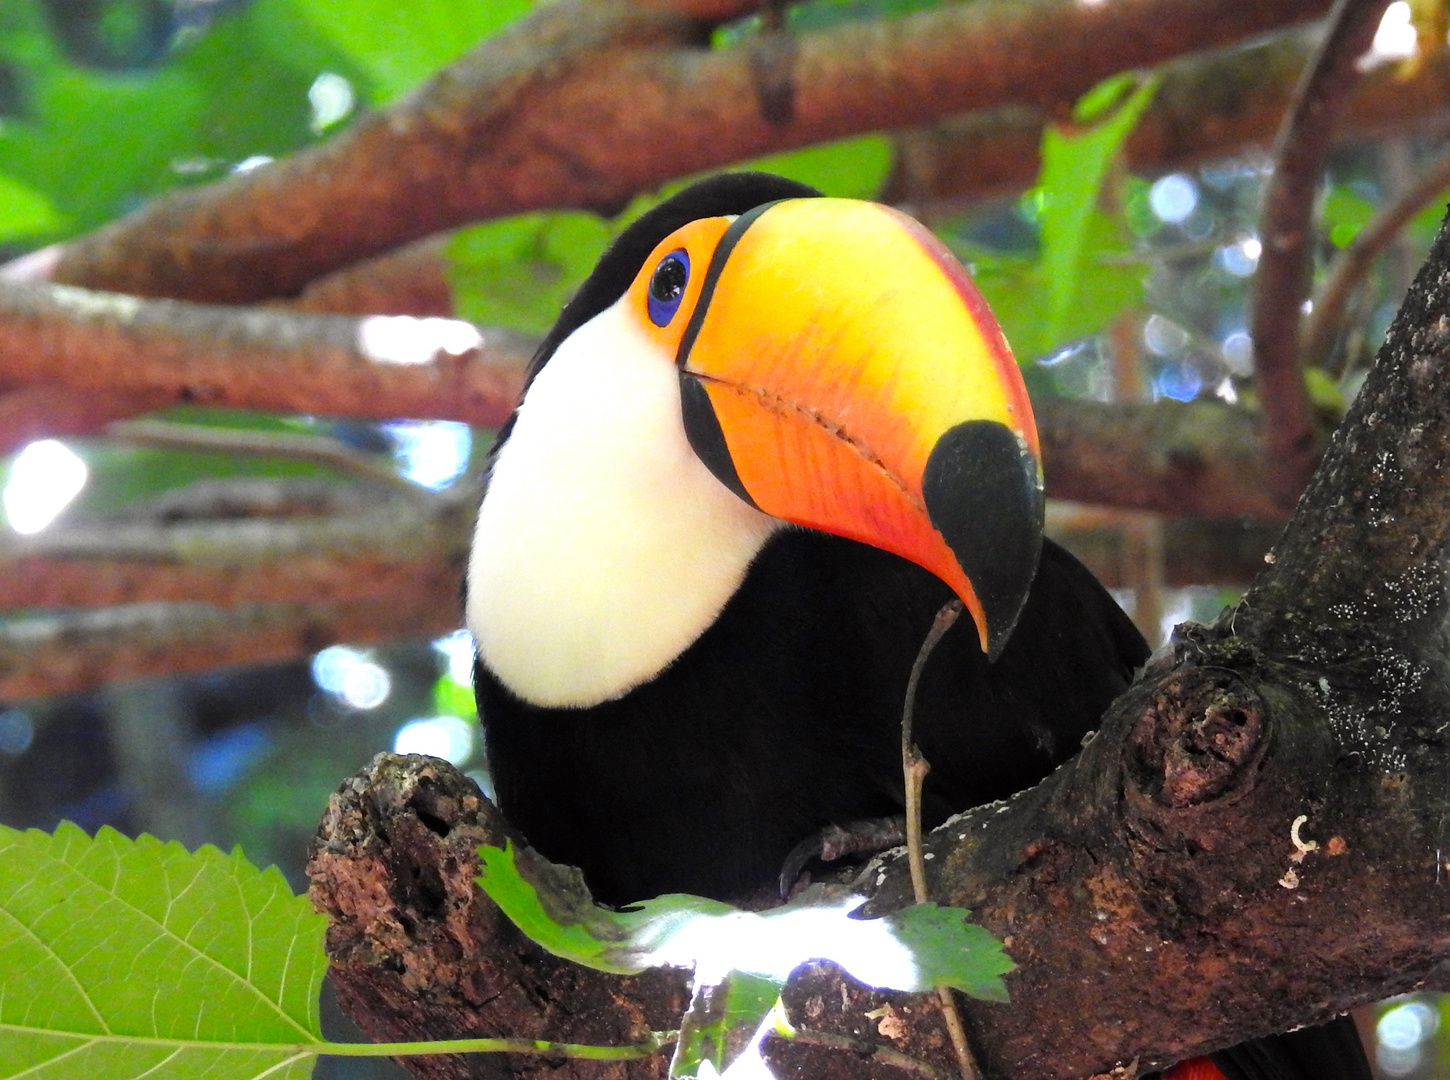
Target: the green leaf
(1076, 233)
(849, 169)
(551, 905)
(24, 211)
(400, 45)
(1324, 392)
(1426, 224)
(124, 958)
(1346, 212)
(724, 1021)
(519, 271)
(954, 952)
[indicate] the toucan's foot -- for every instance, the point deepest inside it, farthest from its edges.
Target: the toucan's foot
(836, 842)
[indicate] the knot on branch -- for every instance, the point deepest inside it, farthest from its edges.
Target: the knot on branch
(1200, 734)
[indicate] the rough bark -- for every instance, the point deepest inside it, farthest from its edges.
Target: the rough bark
(416, 948)
(1160, 893)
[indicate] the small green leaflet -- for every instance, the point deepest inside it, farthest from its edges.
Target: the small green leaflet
(914, 950)
(954, 952)
(741, 959)
(725, 1020)
(122, 957)
(25, 210)
(1074, 171)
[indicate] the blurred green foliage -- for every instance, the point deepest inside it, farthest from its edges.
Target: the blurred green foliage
(1083, 270)
(88, 145)
(519, 271)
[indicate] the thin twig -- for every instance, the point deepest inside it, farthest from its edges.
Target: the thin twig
(320, 449)
(915, 767)
(884, 1054)
(1282, 282)
(1351, 264)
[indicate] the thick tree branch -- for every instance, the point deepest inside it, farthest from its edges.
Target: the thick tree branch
(1281, 284)
(228, 573)
(1157, 892)
(1194, 459)
(46, 411)
(585, 104)
(1208, 107)
(1197, 459)
(413, 280)
(169, 351)
(1218, 105)
(81, 650)
(249, 570)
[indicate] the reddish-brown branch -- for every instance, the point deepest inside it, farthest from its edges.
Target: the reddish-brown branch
(586, 104)
(410, 281)
(1282, 282)
(1208, 107)
(162, 351)
(236, 542)
(231, 572)
(39, 412)
(1198, 459)
(1228, 102)
(1170, 458)
(56, 653)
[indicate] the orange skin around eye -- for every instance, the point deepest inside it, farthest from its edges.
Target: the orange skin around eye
(699, 239)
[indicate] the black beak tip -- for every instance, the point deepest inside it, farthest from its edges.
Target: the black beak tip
(984, 495)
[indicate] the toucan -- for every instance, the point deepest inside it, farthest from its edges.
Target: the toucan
(770, 436)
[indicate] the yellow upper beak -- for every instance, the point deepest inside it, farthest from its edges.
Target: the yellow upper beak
(841, 371)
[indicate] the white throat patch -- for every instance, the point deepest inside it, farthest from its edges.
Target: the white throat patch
(604, 547)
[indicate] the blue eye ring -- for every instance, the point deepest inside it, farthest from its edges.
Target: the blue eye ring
(667, 286)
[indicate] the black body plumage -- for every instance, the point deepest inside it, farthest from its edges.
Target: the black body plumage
(785, 717)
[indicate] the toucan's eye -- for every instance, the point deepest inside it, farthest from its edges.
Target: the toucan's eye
(667, 286)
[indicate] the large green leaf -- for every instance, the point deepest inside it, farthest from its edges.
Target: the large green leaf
(1084, 271)
(124, 958)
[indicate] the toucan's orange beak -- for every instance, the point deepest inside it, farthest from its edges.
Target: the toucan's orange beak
(842, 372)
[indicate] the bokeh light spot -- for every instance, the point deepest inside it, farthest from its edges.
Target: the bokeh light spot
(44, 478)
(1173, 197)
(446, 737)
